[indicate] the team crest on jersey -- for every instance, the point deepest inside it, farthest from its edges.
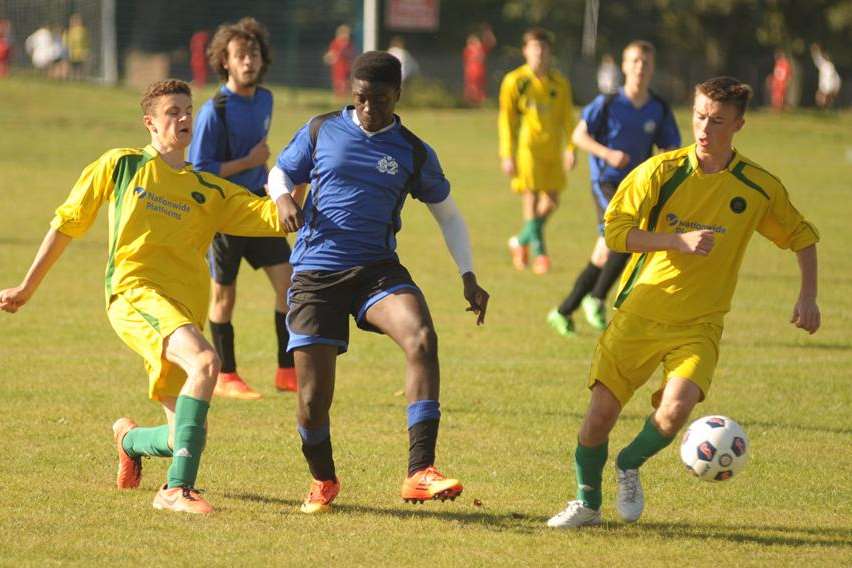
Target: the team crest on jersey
(738, 204)
(198, 197)
(387, 165)
(649, 127)
(140, 192)
(672, 219)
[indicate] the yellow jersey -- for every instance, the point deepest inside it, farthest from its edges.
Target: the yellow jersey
(536, 114)
(670, 194)
(161, 221)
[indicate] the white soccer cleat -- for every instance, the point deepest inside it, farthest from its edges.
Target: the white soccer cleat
(574, 516)
(630, 501)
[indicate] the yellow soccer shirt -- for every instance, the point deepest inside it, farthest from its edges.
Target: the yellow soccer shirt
(536, 114)
(669, 194)
(161, 221)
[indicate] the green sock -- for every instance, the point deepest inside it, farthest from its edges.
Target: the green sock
(148, 442)
(589, 464)
(527, 232)
(537, 241)
(190, 434)
(646, 444)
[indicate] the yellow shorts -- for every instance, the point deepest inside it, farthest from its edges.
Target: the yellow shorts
(632, 347)
(143, 318)
(537, 174)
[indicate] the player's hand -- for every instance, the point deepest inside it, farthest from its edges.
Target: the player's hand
(289, 213)
(475, 296)
(508, 166)
(569, 160)
(696, 242)
(806, 315)
(617, 158)
(11, 299)
(259, 154)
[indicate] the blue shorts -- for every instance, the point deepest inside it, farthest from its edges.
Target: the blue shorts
(321, 301)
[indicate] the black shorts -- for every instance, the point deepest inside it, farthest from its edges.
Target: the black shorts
(226, 252)
(602, 193)
(321, 301)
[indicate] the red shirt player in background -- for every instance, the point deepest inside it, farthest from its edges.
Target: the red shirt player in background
(339, 58)
(474, 56)
(781, 75)
(5, 48)
(198, 57)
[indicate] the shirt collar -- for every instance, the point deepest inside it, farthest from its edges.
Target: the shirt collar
(693, 160)
(354, 116)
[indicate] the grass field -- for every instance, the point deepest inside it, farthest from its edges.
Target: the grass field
(513, 392)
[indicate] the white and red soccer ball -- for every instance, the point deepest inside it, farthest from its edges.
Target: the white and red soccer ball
(714, 448)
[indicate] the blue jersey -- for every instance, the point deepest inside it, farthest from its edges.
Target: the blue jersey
(248, 120)
(359, 182)
(616, 123)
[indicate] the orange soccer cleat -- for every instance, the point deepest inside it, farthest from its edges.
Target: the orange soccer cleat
(129, 469)
(519, 254)
(320, 496)
(541, 264)
(181, 500)
(285, 379)
(428, 484)
(231, 385)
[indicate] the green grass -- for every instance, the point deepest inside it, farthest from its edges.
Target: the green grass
(513, 392)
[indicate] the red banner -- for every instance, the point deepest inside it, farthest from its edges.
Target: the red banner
(415, 15)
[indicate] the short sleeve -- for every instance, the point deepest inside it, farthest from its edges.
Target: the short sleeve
(205, 141)
(434, 186)
(593, 115)
(244, 214)
(631, 204)
(93, 188)
(784, 225)
(296, 159)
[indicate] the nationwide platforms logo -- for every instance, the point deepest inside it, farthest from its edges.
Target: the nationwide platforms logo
(387, 165)
(159, 204)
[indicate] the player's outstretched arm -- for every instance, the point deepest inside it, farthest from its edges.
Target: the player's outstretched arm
(806, 314)
(52, 247)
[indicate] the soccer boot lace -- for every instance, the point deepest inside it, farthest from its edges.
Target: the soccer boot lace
(181, 500)
(629, 499)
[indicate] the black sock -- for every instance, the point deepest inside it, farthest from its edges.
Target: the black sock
(422, 438)
(582, 286)
(223, 341)
(285, 359)
(320, 460)
(610, 272)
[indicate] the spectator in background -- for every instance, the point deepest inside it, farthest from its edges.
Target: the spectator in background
(474, 58)
(608, 75)
(409, 65)
(5, 47)
(339, 58)
(829, 78)
(198, 57)
(76, 40)
(41, 49)
(779, 81)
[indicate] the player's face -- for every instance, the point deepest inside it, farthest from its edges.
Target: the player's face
(374, 103)
(714, 125)
(171, 121)
(244, 62)
(638, 67)
(537, 54)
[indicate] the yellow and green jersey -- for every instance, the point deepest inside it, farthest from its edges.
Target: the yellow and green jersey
(670, 194)
(536, 114)
(161, 221)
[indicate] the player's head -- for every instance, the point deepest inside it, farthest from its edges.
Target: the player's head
(637, 63)
(376, 82)
(167, 113)
(718, 113)
(240, 52)
(537, 46)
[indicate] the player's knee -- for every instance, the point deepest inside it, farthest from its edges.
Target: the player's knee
(422, 343)
(313, 407)
(671, 416)
(207, 364)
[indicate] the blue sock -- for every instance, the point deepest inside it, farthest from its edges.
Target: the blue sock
(423, 410)
(316, 447)
(423, 419)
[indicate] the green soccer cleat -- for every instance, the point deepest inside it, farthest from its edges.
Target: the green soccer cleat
(595, 312)
(563, 326)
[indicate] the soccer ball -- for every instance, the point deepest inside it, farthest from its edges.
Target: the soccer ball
(714, 448)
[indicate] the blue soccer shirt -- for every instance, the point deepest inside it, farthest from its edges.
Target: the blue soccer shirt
(629, 129)
(248, 121)
(358, 185)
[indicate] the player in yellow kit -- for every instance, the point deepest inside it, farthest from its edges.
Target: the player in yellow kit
(535, 125)
(687, 216)
(162, 218)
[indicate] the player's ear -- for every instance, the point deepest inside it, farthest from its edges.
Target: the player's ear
(740, 122)
(148, 121)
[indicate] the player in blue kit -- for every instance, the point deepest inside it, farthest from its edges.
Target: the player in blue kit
(619, 132)
(361, 163)
(230, 141)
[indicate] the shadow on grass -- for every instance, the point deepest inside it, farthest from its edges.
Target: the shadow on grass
(809, 345)
(763, 535)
